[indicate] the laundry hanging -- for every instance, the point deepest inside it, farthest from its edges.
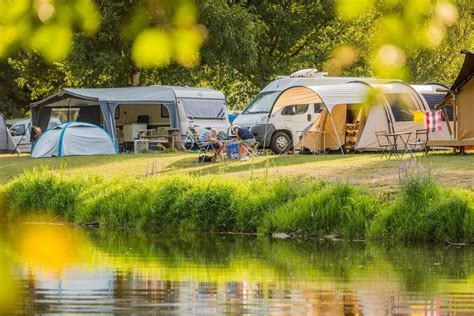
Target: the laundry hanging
(433, 121)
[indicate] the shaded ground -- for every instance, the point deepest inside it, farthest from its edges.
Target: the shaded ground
(367, 170)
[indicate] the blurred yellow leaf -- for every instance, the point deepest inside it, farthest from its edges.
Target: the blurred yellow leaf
(152, 48)
(187, 45)
(52, 41)
(446, 13)
(185, 15)
(351, 10)
(49, 247)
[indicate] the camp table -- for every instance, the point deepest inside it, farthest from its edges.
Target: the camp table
(393, 138)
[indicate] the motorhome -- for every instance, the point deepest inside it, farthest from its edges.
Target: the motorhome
(281, 130)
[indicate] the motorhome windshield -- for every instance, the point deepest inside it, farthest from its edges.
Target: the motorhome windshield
(262, 103)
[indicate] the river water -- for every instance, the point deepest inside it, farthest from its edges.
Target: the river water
(60, 269)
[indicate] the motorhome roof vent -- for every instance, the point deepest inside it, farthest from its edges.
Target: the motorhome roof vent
(308, 73)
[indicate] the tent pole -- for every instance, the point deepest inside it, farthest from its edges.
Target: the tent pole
(337, 134)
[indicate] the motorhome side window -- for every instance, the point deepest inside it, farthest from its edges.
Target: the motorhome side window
(402, 106)
(295, 109)
(18, 130)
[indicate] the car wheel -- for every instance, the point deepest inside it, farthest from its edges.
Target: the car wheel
(280, 143)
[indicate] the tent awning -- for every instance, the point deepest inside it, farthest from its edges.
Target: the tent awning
(331, 95)
(130, 95)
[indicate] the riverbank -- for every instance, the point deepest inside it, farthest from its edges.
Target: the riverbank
(422, 209)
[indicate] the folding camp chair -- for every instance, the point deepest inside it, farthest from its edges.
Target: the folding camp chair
(385, 145)
(421, 139)
(253, 149)
(204, 148)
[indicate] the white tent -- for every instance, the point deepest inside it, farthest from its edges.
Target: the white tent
(339, 103)
(353, 112)
(74, 139)
(7, 145)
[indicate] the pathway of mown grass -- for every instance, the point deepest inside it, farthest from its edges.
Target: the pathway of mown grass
(367, 170)
(423, 210)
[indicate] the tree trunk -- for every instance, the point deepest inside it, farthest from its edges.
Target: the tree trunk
(134, 79)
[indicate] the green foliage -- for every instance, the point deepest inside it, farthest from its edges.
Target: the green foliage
(43, 191)
(424, 211)
(334, 209)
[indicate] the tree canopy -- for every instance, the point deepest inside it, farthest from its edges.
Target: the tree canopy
(234, 46)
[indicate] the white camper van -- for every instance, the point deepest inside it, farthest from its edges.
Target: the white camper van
(280, 130)
(20, 130)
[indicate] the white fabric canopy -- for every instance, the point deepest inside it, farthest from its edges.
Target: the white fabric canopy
(331, 95)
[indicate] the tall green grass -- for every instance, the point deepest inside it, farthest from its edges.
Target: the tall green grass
(423, 210)
(338, 209)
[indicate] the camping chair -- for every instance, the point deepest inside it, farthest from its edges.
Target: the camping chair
(421, 138)
(253, 149)
(385, 145)
(203, 148)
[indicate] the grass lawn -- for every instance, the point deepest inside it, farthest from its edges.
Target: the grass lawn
(367, 170)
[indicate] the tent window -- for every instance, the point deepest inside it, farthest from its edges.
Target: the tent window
(402, 106)
(433, 99)
(318, 107)
(295, 109)
(204, 109)
(65, 114)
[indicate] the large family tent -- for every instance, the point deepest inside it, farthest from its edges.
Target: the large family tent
(347, 121)
(394, 114)
(340, 105)
(7, 145)
(73, 139)
(159, 106)
(460, 101)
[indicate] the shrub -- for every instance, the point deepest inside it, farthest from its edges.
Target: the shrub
(335, 209)
(42, 190)
(424, 211)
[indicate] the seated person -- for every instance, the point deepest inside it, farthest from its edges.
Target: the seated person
(246, 139)
(207, 138)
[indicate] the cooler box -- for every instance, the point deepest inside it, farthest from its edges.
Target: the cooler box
(233, 150)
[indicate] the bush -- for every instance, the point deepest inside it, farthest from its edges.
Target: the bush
(43, 191)
(424, 211)
(337, 209)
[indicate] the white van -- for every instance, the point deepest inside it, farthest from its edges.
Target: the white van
(20, 130)
(281, 130)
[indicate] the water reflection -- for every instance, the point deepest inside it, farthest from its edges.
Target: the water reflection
(64, 269)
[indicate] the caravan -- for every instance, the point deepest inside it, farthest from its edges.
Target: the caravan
(280, 130)
(123, 112)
